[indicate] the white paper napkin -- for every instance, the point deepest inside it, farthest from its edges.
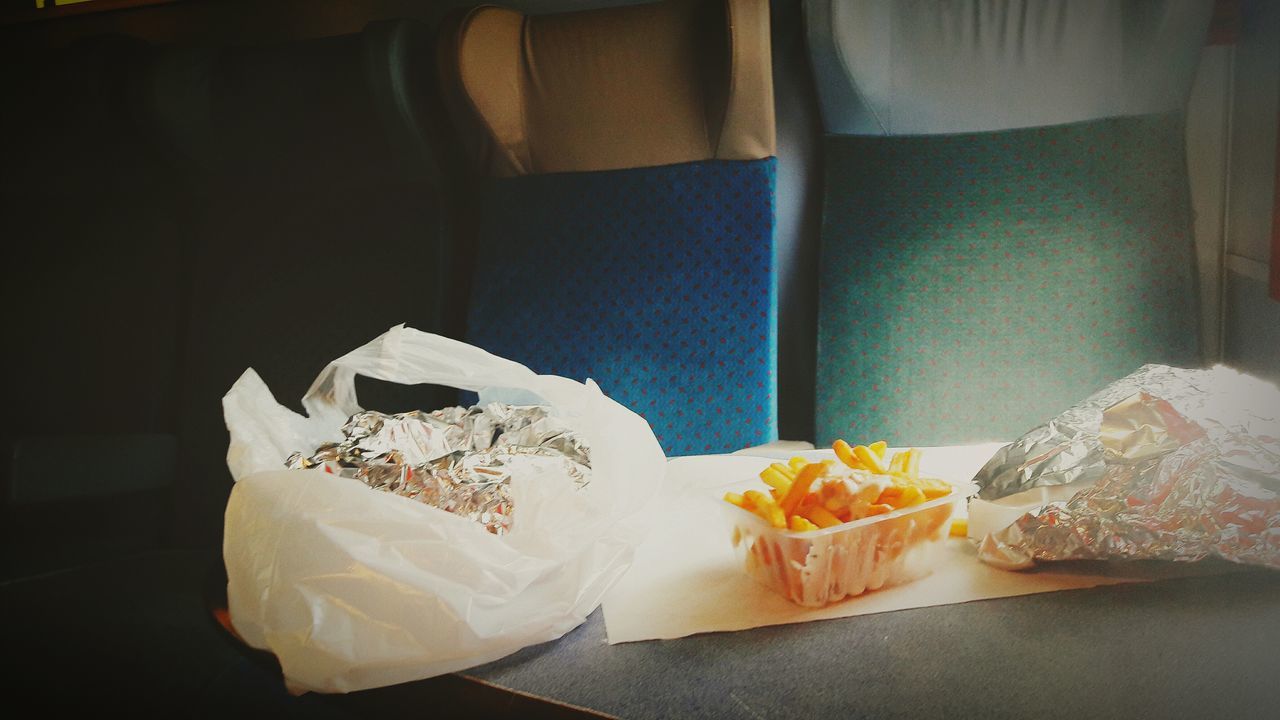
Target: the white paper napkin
(686, 578)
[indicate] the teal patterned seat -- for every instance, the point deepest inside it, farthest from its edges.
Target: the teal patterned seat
(974, 285)
(982, 270)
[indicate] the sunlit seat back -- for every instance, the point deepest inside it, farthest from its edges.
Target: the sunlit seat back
(1006, 219)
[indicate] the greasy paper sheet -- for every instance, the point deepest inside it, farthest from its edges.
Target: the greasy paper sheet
(686, 579)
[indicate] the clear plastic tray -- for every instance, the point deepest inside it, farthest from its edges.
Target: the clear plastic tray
(822, 566)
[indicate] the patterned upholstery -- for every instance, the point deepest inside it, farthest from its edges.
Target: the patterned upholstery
(656, 282)
(1007, 220)
(974, 285)
(625, 229)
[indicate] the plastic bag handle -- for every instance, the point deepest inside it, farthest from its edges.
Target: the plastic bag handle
(409, 357)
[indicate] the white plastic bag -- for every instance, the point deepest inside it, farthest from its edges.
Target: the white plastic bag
(352, 588)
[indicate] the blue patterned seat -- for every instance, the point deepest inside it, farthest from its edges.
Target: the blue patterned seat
(626, 230)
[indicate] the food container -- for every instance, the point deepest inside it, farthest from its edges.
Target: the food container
(818, 567)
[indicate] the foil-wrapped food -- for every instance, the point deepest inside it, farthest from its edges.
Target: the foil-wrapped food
(457, 459)
(1166, 463)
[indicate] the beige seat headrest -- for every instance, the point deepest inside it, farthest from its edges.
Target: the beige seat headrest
(633, 86)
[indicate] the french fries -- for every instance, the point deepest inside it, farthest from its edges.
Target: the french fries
(869, 459)
(800, 487)
(778, 476)
(800, 524)
(845, 454)
(803, 496)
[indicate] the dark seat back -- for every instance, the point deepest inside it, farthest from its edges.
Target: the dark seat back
(92, 216)
(320, 222)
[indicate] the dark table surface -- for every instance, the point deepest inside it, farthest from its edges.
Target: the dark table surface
(1190, 647)
(138, 633)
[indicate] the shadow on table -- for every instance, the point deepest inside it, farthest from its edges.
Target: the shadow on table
(142, 633)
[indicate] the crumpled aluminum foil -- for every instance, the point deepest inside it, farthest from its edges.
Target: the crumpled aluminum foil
(1171, 464)
(457, 459)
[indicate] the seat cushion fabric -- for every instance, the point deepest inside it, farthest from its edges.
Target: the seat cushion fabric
(973, 285)
(655, 282)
